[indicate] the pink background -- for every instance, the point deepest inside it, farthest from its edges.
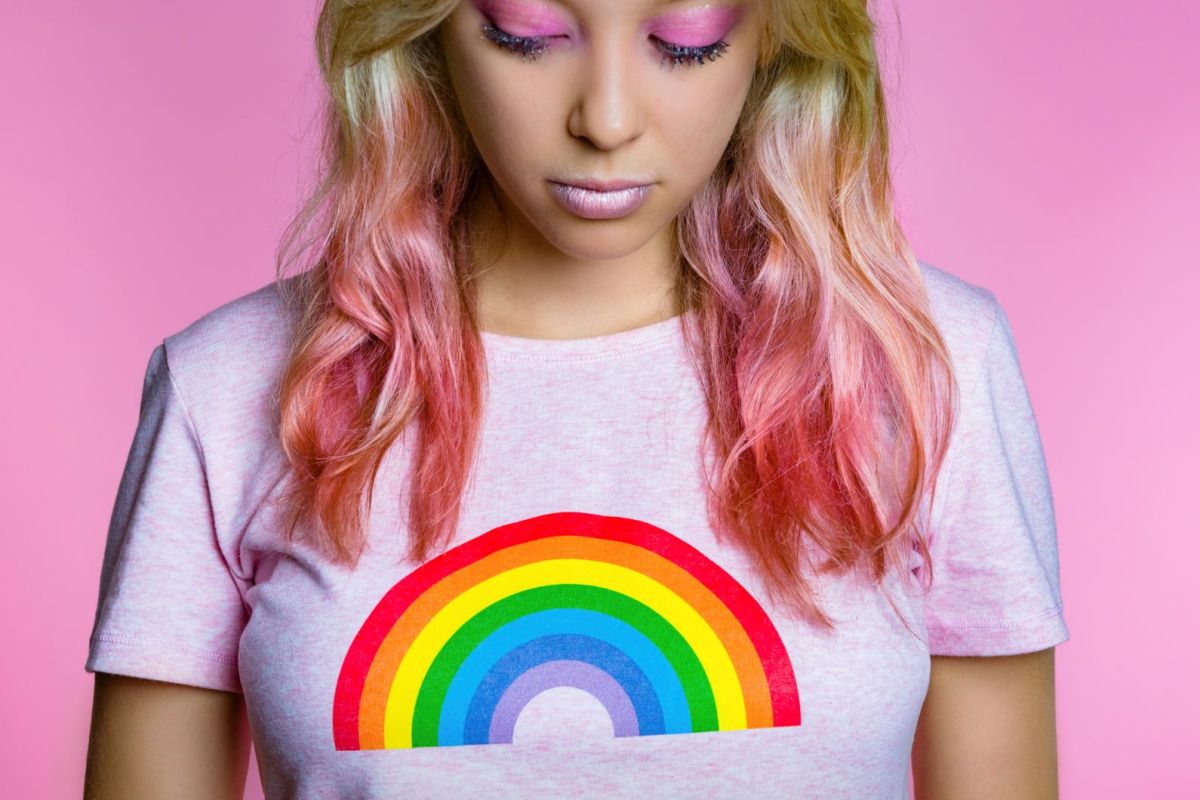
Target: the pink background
(152, 152)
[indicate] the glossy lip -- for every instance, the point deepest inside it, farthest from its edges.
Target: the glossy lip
(601, 204)
(598, 185)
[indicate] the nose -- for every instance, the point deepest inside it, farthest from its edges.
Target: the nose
(608, 111)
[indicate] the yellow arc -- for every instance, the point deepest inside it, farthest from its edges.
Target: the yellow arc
(722, 676)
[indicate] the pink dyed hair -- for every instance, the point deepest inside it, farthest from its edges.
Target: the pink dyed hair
(830, 391)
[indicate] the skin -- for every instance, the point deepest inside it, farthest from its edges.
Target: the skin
(987, 729)
(598, 103)
(151, 739)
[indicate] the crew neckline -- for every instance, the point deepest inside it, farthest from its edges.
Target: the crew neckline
(645, 337)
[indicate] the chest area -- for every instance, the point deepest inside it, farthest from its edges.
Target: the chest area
(567, 626)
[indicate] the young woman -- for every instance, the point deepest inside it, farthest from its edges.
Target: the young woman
(611, 442)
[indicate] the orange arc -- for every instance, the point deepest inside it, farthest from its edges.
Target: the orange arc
(735, 639)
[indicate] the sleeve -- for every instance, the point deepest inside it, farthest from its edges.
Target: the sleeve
(169, 607)
(995, 579)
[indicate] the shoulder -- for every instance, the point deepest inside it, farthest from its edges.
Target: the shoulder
(966, 315)
(237, 336)
(226, 364)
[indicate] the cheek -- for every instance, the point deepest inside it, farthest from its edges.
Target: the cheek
(507, 103)
(521, 122)
(516, 127)
(479, 89)
(698, 123)
(503, 120)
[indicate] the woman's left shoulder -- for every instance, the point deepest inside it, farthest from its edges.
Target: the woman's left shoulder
(964, 312)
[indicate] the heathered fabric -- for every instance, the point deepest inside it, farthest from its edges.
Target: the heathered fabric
(680, 680)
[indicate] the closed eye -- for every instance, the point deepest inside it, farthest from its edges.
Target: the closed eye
(530, 48)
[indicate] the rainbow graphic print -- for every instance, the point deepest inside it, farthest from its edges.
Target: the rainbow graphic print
(659, 634)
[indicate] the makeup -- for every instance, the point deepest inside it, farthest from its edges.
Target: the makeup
(689, 36)
(695, 27)
(592, 204)
(523, 18)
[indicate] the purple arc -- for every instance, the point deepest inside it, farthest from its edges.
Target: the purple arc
(551, 674)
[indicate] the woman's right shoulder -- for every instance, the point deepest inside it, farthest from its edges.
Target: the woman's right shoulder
(236, 350)
(226, 365)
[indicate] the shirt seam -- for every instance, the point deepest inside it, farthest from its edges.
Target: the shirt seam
(187, 414)
(999, 623)
(194, 432)
(611, 355)
(121, 640)
(966, 399)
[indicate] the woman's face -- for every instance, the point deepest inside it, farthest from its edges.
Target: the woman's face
(640, 90)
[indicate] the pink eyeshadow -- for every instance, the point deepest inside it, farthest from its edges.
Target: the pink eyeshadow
(523, 18)
(696, 27)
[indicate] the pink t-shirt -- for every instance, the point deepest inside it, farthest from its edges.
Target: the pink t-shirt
(585, 635)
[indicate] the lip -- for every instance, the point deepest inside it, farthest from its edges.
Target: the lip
(615, 199)
(598, 185)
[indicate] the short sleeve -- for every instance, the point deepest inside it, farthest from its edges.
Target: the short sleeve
(995, 580)
(169, 607)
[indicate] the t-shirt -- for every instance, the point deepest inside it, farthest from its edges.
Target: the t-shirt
(584, 634)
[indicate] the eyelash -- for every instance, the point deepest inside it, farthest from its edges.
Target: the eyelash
(532, 47)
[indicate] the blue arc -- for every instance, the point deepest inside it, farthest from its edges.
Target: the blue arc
(555, 647)
(550, 624)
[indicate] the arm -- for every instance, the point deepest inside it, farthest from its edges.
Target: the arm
(162, 740)
(987, 729)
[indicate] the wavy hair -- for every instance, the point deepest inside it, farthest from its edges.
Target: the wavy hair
(829, 390)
